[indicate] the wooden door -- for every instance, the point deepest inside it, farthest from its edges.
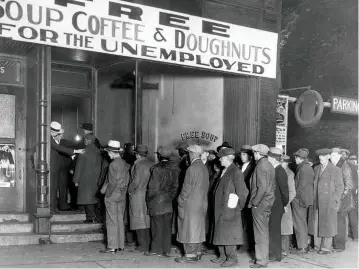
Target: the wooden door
(12, 148)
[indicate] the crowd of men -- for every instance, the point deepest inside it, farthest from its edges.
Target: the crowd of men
(253, 200)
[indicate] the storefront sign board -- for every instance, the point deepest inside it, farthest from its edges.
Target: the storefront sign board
(133, 30)
(344, 105)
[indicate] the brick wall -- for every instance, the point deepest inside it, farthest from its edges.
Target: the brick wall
(320, 49)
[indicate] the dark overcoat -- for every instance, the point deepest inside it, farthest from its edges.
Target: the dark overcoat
(87, 173)
(140, 175)
(228, 228)
(192, 204)
(304, 184)
(347, 202)
(328, 188)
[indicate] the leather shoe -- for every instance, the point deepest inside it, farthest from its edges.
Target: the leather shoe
(109, 250)
(257, 266)
(299, 251)
(218, 260)
(323, 252)
(229, 263)
(252, 261)
(186, 259)
(337, 250)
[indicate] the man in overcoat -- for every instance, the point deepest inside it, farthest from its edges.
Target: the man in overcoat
(139, 218)
(87, 173)
(280, 202)
(162, 190)
(115, 190)
(346, 202)
(261, 201)
(304, 186)
(328, 189)
(228, 229)
(192, 207)
(353, 213)
(55, 165)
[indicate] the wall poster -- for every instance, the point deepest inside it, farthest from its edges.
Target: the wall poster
(282, 123)
(7, 165)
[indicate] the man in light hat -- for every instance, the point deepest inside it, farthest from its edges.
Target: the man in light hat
(279, 205)
(162, 190)
(139, 218)
(304, 185)
(261, 200)
(115, 190)
(229, 200)
(353, 213)
(346, 202)
(192, 207)
(56, 131)
(328, 189)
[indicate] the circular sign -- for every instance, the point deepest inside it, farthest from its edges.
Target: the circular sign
(309, 108)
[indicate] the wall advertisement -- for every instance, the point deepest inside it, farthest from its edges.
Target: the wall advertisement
(282, 123)
(7, 165)
(133, 30)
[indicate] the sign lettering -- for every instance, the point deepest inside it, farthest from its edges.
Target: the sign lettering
(344, 105)
(133, 30)
(2, 69)
(201, 135)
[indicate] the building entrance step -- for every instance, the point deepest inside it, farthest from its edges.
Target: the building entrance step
(6, 217)
(68, 217)
(75, 237)
(16, 227)
(17, 239)
(73, 226)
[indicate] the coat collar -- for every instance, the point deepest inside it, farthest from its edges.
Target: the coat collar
(231, 167)
(301, 165)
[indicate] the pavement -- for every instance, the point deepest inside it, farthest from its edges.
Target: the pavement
(86, 255)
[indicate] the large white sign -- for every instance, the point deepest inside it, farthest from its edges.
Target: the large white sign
(126, 29)
(282, 123)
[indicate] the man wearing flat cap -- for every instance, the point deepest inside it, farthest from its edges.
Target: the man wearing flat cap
(192, 207)
(139, 218)
(328, 189)
(230, 197)
(304, 185)
(86, 177)
(346, 202)
(280, 202)
(261, 200)
(353, 213)
(162, 190)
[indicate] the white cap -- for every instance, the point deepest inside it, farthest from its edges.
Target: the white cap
(56, 127)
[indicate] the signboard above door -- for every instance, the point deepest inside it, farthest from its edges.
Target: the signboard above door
(127, 29)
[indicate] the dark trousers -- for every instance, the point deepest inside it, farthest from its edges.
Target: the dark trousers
(161, 231)
(90, 212)
(73, 191)
(248, 234)
(143, 239)
(353, 221)
(58, 182)
(275, 236)
(228, 253)
(339, 239)
(300, 224)
(192, 249)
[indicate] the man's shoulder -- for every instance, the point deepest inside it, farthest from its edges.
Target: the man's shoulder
(265, 165)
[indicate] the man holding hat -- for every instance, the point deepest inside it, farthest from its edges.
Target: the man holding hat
(304, 185)
(346, 202)
(87, 173)
(56, 131)
(328, 189)
(115, 190)
(162, 190)
(280, 202)
(192, 207)
(230, 197)
(261, 200)
(139, 218)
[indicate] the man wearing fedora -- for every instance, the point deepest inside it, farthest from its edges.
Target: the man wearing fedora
(192, 207)
(346, 202)
(87, 128)
(229, 199)
(280, 202)
(304, 186)
(162, 190)
(328, 189)
(139, 218)
(115, 190)
(55, 165)
(261, 200)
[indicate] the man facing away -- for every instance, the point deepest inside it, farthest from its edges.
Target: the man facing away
(139, 218)
(115, 189)
(261, 200)
(87, 173)
(304, 186)
(192, 207)
(162, 189)
(328, 189)
(353, 213)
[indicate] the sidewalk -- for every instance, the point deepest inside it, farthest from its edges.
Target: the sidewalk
(86, 255)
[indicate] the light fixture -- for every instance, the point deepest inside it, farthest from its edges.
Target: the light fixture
(77, 137)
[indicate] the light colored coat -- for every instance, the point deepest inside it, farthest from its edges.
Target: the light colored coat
(140, 174)
(287, 219)
(192, 204)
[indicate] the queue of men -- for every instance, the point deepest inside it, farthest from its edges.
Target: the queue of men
(224, 201)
